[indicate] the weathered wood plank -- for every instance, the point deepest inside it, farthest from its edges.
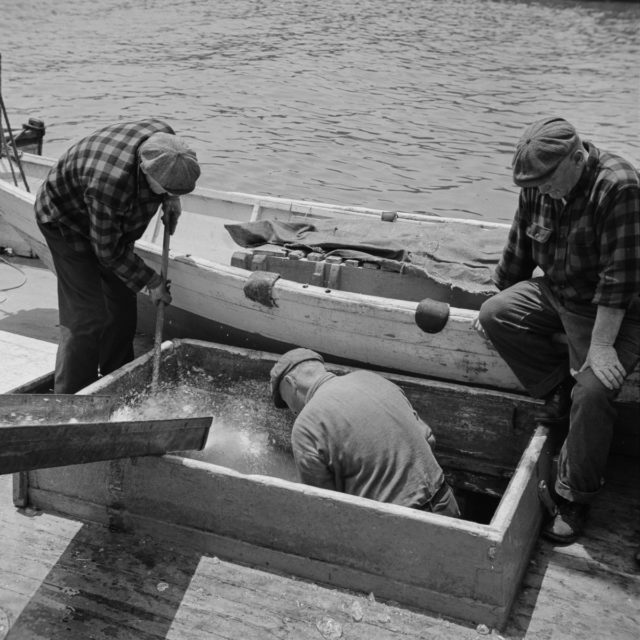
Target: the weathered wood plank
(42, 446)
(30, 408)
(518, 515)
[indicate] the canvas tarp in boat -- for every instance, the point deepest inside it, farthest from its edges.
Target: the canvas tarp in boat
(450, 252)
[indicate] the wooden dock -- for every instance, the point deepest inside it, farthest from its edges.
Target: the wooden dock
(62, 578)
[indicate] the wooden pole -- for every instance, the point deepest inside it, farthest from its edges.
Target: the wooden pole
(160, 313)
(16, 157)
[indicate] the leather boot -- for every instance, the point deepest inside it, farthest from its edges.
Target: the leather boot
(568, 523)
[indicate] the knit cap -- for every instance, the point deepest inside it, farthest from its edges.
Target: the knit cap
(542, 147)
(170, 162)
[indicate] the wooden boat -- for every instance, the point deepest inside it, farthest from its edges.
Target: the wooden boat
(236, 506)
(341, 308)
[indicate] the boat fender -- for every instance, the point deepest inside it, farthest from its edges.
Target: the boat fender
(259, 287)
(432, 315)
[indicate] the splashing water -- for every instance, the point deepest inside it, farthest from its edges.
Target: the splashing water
(247, 433)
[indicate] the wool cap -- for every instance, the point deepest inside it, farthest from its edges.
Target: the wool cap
(170, 162)
(285, 364)
(542, 147)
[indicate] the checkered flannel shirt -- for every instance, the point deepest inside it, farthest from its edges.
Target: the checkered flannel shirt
(99, 200)
(588, 245)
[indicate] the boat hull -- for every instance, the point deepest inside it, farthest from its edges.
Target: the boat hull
(209, 299)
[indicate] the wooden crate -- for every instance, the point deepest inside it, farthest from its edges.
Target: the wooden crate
(465, 569)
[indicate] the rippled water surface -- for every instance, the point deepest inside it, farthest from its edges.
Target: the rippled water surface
(394, 104)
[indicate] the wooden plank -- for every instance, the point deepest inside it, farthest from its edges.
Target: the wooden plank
(519, 516)
(30, 408)
(38, 446)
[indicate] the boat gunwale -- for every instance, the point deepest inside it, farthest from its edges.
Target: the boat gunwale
(291, 205)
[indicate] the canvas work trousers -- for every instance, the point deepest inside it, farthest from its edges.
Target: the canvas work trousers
(520, 322)
(98, 316)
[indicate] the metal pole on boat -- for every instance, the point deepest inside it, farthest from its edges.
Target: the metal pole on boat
(16, 157)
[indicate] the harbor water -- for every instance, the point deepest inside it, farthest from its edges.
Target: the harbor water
(393, 104)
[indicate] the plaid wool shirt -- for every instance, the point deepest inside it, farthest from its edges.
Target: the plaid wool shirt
(99, 200)
(588, 245)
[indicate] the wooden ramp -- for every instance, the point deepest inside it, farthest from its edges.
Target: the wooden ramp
(61, 578)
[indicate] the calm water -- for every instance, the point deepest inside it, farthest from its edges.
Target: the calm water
(394, 104)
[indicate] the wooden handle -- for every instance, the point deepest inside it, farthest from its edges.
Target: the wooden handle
(164, 269)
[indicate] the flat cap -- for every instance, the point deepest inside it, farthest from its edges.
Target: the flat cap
(284, 365)
(170, 162)
(542, 147)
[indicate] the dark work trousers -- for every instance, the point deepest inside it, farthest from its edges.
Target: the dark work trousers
(98, 316)
(520, 321)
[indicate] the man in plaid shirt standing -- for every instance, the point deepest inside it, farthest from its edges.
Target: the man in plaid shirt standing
(94, 204)
(578, 221)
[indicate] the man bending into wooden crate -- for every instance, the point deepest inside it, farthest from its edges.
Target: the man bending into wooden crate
(358, 434)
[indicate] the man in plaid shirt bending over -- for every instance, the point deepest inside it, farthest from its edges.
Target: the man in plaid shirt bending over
(95, 203)
(578, 221)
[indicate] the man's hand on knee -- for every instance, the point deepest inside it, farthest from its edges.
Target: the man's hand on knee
(604, 362)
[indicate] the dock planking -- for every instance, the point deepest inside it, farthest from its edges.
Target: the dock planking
(63, 578)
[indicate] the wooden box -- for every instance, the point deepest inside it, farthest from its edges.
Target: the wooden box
(469, 569)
